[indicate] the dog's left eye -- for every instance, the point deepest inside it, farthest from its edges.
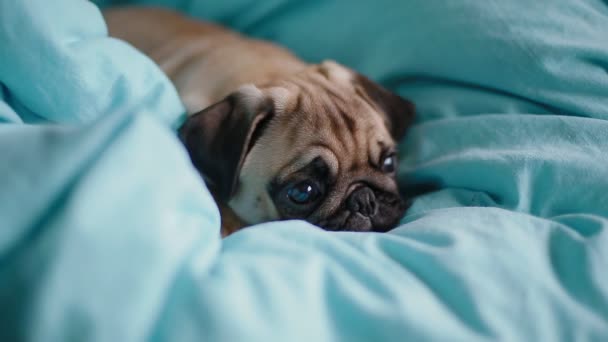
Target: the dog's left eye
(388, 164)
(303, 193)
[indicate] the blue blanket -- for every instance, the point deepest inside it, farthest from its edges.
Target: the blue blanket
(107, 233)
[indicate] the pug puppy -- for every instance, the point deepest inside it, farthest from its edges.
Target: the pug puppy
(274, 137)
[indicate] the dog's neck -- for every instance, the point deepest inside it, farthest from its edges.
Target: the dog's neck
(204, 61)
(204, 71)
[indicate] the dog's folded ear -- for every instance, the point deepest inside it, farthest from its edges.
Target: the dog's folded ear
(219, 137)
(399, 112)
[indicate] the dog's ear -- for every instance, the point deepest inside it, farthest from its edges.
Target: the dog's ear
(219, 137)
(398, 112)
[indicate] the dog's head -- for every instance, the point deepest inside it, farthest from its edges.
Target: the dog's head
(319, 146)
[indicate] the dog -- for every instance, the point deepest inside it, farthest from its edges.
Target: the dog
(276, 138)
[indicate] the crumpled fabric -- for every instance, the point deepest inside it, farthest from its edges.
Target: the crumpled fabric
(107, 232)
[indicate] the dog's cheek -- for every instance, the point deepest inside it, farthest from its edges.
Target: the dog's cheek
(390, 211)
(252, 202)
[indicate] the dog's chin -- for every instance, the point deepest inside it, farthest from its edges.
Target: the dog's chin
(359, 223)
(356, 222)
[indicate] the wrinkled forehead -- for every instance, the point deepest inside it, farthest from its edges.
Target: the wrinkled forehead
(317, 103)
(332, 123)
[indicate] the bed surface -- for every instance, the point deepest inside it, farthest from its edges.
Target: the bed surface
(107, 233)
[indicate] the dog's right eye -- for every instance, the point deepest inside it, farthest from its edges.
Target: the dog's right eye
(303, 193)
(298, 194)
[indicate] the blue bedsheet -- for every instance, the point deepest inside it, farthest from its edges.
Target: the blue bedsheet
(108, 234)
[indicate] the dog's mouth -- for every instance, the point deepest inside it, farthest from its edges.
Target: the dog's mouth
(389, 211)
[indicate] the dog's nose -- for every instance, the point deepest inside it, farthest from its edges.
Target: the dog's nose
(362, 201)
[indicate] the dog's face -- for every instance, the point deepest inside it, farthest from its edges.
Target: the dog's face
(319, 146)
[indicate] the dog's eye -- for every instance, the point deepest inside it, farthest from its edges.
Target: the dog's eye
(303, 193)
(388, 164)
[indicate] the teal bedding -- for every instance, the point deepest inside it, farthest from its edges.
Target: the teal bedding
(107, 233)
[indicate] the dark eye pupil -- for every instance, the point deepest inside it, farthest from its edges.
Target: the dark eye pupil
(388, 165)
(302, 193)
